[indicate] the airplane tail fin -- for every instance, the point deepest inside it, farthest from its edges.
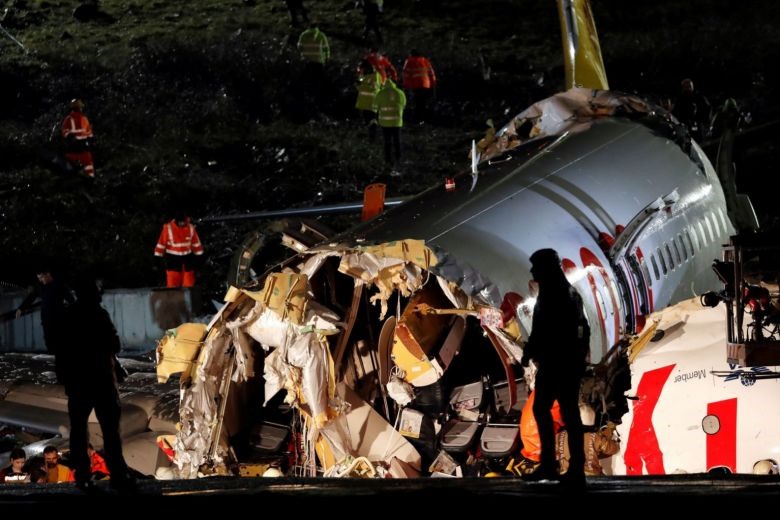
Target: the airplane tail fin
(581, 49)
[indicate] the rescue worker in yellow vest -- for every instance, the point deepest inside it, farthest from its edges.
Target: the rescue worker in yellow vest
(420, 80)
(179, 245)
(314, 46)
(390, 103)
(315, 51)
(369, 83)
(77, 133)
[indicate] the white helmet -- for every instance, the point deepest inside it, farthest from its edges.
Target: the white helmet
(765, 467)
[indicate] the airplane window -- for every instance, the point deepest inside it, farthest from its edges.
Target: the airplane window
(661, 259)
(645, 271)
(688, 242)
(639, 280)
(669, 257)
(624, 291)
(709, 228)
(655, 267)
(703, 234)
(683, 249)
(676, 250)
(715, 224)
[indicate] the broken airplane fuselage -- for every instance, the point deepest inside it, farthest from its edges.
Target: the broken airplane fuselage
(436, 293)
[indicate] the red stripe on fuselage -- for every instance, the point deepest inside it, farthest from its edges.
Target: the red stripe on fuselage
(722, 445)
(642, 448)
(588, 258)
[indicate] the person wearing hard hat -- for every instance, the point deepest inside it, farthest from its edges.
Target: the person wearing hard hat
(179, 244)
(77, 133)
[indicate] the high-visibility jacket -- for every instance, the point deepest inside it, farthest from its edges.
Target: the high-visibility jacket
(368, 86)
(418, 73)
(178, 240)
(529, 431)
(313, 45)
(382, 65)
(97, 464)
(390, 102)
(77, 125)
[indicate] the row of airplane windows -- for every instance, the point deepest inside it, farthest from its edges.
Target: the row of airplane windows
(676, 251)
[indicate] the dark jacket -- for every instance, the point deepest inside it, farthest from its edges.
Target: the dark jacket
(559, 332)
(88, 361)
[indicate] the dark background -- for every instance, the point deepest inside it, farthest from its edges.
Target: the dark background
(200, 105)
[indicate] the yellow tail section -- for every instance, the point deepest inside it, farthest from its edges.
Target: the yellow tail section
(581, 50)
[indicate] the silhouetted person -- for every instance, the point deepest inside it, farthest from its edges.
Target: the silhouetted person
(90, 383)
(693, 110)
(559, 346)
(372, 10)
(298, 12)
(55, 297)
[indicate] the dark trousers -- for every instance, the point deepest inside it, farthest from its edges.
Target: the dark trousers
(561, 384)
(369, 118)
(105, 402)
(420, 99)
(297, 11)
(392, 135)
(371, 10)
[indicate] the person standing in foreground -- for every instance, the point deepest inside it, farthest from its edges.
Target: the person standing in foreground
(559, 346)
(90, 383)
(179, 244)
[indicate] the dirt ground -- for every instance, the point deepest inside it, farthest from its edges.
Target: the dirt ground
(202, 106)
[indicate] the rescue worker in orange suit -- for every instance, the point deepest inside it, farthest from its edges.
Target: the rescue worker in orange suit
(179, 245)
(369, 83)
(381, 64)
(97, 464)
(390, 102)
(77, 133)
(559, 345)
(419, 80)
(529, 434)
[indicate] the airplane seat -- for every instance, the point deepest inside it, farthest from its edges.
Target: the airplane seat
(467, 416)
(500, 437)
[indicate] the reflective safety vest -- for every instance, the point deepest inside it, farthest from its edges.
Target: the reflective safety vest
(313, 45)
(77, 125)
(178, 240)
(368, 87)
(418, 73)
(382, 65)
(390, 102)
